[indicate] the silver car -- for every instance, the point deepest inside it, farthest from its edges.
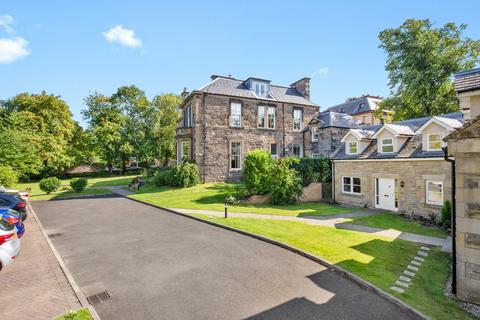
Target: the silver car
(9, 243)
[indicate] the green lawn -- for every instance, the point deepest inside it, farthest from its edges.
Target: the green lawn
(82, 314)
(377, 259)
(398, 222)
(65, 191)
(211, 196)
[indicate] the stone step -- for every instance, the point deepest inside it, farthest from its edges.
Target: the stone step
(412, 268)
(409, 273)
(403, 284)
(397, 289)
(422, 253)
(425, 248)
(416, 263)
(405, 279)
(419, 259)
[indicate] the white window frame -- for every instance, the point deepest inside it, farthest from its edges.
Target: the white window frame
(301, 150)
(301, 119)
(382, 145)
(235, 114)
(231, 155)
(440, 135)
(427, 200)
(314, 134)
(351, 184)
(348, 147)
(267, 110)
(187, 117)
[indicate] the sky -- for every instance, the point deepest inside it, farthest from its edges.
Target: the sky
(74, 48)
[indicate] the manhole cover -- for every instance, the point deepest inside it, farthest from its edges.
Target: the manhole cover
(53, 235)
(99, 298)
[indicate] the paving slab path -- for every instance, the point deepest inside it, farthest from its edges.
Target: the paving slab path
(35, 287)
(338, 221)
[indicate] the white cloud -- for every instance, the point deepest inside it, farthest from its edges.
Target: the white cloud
(13, 49)
(6, 22)
(123, 36)
(319, 72)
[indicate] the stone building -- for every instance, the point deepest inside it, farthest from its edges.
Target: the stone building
(397, 166)
(325, 131)
(464, 146)
(225, 119)
(361, 109)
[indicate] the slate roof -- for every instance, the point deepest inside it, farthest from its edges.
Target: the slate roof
(363, 133)
(360, 105)
(467, 80)
(236, 88)
(412, 148)
(334, 119)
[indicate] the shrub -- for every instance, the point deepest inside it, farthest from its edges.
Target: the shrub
(285, 184)
(446, 214)
(183, 175)
(78, 184)
(313, 170)
(50, 184)
(256, 171)
(163, 177)
(8, 176)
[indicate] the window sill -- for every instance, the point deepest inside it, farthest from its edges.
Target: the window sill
(235, 170)
(432, 205)
(350, 194)
(267, 129)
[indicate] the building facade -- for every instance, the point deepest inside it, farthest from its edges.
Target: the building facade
(227, 118)
(464, 146)
(397, 166)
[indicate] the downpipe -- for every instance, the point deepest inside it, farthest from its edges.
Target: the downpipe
(453, 222)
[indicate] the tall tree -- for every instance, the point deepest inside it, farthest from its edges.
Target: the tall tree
(105, 123)
(165, 120)
(49, 122)
(420, 62)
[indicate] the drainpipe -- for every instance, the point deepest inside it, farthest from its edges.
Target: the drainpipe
(283, 129)
(454, 223)
(333, 181)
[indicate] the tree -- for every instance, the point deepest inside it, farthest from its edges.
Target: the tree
(105, 122)
(49, 123)
(420, 62)
(82, 149)
(164, 123)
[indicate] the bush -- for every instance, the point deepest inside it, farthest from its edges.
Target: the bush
(78, 184)
(256, 171)
(446, 214)
(163, 177)
(183, 175)
(50, 184)
(285, 184)
(8, 176)
(313, 170)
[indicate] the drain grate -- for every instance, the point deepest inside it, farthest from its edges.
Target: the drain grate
(54, 235)
(99, 298)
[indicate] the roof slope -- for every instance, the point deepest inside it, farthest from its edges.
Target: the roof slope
(467, 80)
(236, 88)
(360, 105)
(334, 119)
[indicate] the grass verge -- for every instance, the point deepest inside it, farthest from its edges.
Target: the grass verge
(211, 196)
(82, 314)
(400, 223)
(374, 258)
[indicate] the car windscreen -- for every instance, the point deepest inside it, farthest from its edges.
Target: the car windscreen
(5, 225)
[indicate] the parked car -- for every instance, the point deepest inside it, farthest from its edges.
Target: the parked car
(14, 218)
(9, 243)
(22, 194)
(11, 201)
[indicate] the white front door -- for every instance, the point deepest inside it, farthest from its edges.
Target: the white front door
(385, 194)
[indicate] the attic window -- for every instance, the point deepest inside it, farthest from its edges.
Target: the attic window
(352, 147)
(259, 88)
(387, 145)
(435, 142)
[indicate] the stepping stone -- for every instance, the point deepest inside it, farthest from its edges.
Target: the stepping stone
(403, 284)
(412, 268)
(419, 259)
(409, 273)
(416, 263)
(397, 289)
(405, 279)
(425, 248)
(422, 253)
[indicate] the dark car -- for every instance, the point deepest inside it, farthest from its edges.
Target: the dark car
(10, 201)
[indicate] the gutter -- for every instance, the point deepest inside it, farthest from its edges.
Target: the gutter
(453, 222)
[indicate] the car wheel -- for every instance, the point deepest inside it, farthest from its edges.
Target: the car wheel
(1, 265)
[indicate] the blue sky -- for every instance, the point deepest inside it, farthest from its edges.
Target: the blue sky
(72, 48)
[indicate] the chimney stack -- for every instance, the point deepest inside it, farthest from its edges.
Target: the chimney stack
(185, 93)
(302, 86)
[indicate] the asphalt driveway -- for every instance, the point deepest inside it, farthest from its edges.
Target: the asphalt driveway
(158, 265)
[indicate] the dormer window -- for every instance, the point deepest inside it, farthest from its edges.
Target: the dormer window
(259, 87)
(352, 147)
(387, 145)
(435, 142)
